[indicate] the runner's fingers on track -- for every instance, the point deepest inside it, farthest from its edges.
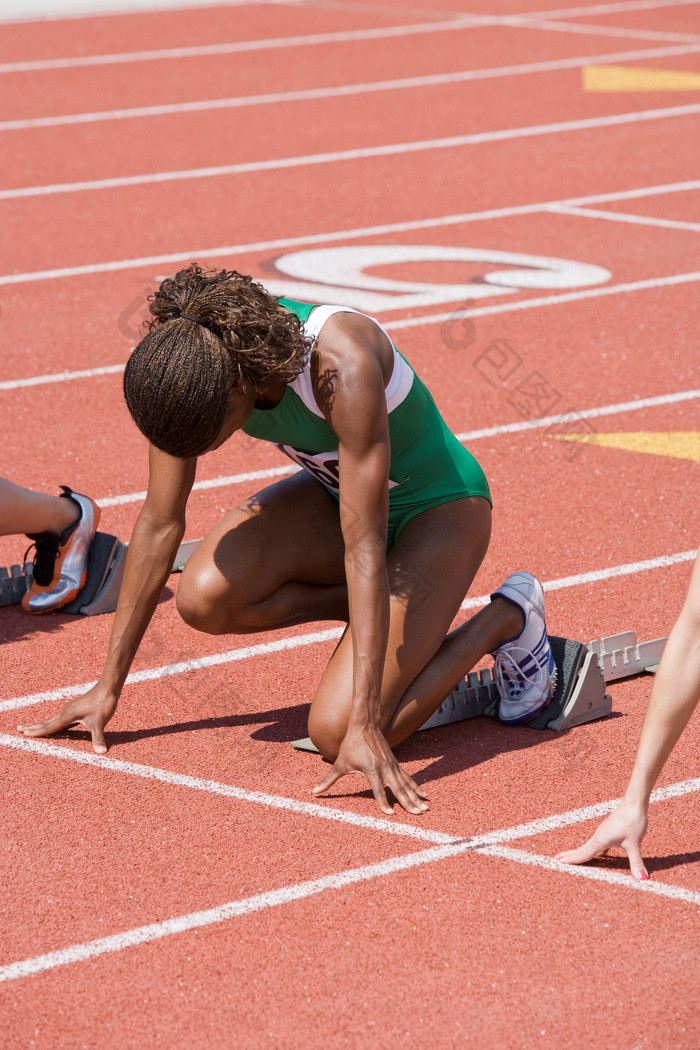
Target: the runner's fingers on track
(623, 829)
(375, 782)
(362, 753)
(83, 712)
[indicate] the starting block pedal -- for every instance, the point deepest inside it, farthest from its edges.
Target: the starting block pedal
(106, 561)
(621, 655)
(105, 570)
(579, 694)
(475, 695)
(13, 583)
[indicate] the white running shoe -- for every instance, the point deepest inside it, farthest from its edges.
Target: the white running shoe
(524, 668)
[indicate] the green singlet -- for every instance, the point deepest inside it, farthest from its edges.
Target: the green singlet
(428, 464)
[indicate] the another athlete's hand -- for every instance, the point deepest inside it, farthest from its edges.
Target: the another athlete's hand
(625, 827)
(93, 711)
(366, 751)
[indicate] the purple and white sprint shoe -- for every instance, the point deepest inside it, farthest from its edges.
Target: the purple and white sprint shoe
(524, 668)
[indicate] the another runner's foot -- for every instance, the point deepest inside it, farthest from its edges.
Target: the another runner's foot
(60, 561)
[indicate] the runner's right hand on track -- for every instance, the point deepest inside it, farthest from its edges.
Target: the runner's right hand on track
(625, 827)
(366, 751)
(93, 711)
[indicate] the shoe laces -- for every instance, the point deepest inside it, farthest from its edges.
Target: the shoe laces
(509, 676)
(46, 546)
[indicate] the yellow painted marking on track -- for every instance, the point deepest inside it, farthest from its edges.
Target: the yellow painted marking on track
(680, 444)
(631, 78)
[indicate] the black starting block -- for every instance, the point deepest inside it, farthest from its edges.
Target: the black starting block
(583, 671)
(105, 570)
(13, 583)
(579, 694)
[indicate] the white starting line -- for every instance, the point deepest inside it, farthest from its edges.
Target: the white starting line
(447, 847)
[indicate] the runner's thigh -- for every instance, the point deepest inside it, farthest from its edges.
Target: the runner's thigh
(287, 531)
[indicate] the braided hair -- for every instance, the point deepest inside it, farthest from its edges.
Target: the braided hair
(210, 332)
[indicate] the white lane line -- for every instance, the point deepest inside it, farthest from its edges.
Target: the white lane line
(618, 408)
(482, 841)
(616, 878)
(313, 39)
(223, 912)
(340, 91)
(677, 790)
(583, 28)
(24, 11)
(240, 46)
(363, 153)
(60, 377)
(285, 895)
(618, 216)
(627, 406)
(551, 300)
(586, 413)
(449, 848)
(295, 641)
(182, 667)
(448, 24)
(340, 235)
(166, 776)
(466, 437)
(210, 483)
(635, 194)
(598, 575)
(609, 9)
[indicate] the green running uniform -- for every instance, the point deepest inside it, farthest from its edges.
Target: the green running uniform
(428, 464)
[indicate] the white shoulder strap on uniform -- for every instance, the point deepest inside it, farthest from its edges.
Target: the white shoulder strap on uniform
(401, 377)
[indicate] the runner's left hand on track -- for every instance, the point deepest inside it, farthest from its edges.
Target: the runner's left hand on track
(366, 751)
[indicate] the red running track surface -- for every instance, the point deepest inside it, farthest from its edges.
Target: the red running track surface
(186, 890)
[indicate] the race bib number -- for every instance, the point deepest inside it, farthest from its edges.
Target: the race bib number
(322, 465)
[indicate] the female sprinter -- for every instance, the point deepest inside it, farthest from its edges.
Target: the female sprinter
(384, 527)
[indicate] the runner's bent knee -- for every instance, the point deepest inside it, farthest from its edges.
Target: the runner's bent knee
(326, 732)
(201, 602)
